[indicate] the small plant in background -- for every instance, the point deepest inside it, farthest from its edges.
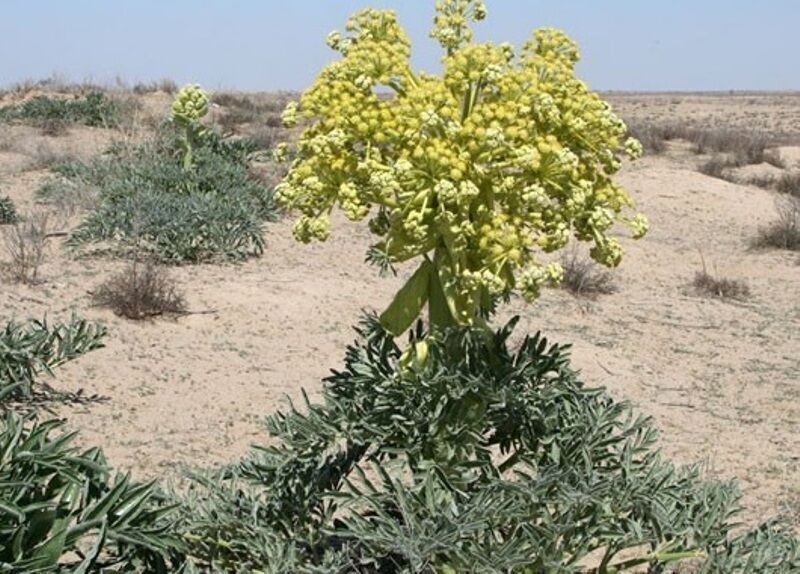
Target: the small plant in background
(8, 211)
(140, 291)
(148, 202)
(585, 278)
(189, 107)
(62, 510)
(712, 284)
(784, 232)
(30, 349)
(26, 246)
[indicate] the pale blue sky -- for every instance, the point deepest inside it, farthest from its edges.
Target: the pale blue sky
(279, 44)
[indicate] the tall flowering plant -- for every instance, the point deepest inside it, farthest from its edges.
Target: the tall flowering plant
(475, 172)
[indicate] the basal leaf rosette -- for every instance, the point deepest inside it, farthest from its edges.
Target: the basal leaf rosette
(477, 172)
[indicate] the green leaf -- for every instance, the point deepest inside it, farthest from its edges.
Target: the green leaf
(409, 301)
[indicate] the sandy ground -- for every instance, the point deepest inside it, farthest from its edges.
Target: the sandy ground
(721, 378)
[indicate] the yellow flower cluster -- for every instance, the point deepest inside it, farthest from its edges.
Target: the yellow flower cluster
(475, 171)
(191, 104)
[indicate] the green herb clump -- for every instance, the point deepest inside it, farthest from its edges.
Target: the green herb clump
(148, 202)
(35, 347)
(61, 511)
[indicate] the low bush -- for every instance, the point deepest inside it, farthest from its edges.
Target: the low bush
(141, 291)
(94, 109)
(8, 211)
(61, 510)
(147, 201)
(35, 347)
(458, 454)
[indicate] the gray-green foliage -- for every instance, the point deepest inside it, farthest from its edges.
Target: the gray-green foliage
(94, 109)
(149, 202)
(460, 455)
(61, 511)
(8, 211)
(35, 347)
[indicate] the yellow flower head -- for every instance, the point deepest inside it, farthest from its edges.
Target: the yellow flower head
(502, 156)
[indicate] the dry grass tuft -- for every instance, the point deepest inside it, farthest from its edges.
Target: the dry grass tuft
(585, 278)
(705, 283)
(141, 291)
(784, 232)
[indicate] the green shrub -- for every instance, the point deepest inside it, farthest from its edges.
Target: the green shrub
(61, 510)
(464, 456)
(149, 202)
(8, 211)
(29, 349)
(95, 109)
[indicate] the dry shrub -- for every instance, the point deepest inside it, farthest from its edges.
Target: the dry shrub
(740, 147)
(762, 181)
(140, 291)
(713, 285)
(717, 166)
(784, 232)
(650, 135)
(745, 147)
(54, 127)
(583, 277)
(26, 246)
(266, 137)
(790, 184)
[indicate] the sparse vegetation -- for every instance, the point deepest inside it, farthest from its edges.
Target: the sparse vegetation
(585, 278)
(731, 148)
(30, 349)
(140, 291)
(784, 232)
(240, 109)
(94, 109)
(26, 246)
